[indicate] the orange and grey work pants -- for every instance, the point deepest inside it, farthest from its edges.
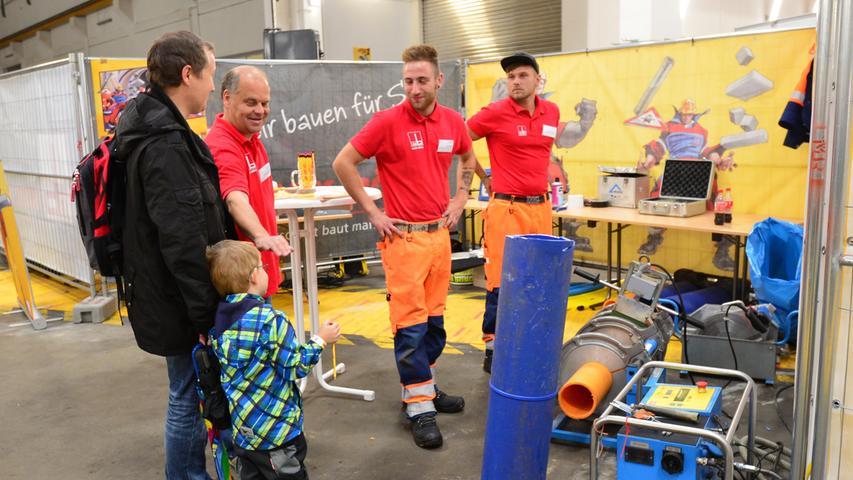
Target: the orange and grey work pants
(502, 218)
(417, 278)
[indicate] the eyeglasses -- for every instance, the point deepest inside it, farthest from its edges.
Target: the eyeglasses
(262, 266)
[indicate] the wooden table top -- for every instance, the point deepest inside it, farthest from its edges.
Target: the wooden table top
(741, 224)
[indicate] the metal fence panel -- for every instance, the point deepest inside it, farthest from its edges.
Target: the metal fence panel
(39, 147)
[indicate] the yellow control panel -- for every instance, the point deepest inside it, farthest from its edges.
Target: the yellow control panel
(685, 397)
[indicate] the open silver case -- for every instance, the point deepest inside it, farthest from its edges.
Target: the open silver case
(685, 189)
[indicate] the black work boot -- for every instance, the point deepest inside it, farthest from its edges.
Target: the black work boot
(425, 431)
(445, 403)
(487, 361)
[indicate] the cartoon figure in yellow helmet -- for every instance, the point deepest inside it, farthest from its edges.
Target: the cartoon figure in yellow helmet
(685, 139)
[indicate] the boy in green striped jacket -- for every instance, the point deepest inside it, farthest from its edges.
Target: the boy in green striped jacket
(261, 361)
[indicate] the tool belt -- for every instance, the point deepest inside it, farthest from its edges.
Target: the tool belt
(419, 227)
(530, 200)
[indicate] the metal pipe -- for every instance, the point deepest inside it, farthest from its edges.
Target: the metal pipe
(81, 114)
(837, 170)
(42, 66)
(828, 159)
(41, 175)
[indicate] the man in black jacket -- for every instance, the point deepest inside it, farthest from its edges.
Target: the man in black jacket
(173, 214)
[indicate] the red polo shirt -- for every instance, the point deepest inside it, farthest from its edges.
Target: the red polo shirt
(244, 167)
(413, 155)
(519, 144)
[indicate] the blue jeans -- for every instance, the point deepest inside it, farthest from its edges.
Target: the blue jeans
(185, 435)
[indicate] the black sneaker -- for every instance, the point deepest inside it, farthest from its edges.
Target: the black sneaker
(425, 431)
(487, 362)
(445, 403)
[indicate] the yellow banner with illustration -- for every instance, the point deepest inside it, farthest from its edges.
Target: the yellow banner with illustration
(718, 99)
(117, 81)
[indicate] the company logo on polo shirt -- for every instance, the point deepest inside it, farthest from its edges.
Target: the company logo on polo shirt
(416, 140)
(522, 130)
(252, 167)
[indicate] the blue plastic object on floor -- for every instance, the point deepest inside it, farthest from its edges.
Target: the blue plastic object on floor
(535, 280)
(579, 288)
(696, 298)
(683, 287)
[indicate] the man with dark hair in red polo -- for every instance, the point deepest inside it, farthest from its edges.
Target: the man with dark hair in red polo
(414, 144)
(245, 177)
(519, 131)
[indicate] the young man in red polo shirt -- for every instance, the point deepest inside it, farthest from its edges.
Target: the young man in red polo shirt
(245, 177)
(519, 131)
(414, 144)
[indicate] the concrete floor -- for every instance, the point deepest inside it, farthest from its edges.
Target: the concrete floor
(81, 401)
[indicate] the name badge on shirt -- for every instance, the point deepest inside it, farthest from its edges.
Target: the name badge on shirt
(549, 131)
(264, 172)
(445, 146)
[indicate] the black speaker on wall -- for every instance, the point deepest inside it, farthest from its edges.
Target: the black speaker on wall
(291, 44)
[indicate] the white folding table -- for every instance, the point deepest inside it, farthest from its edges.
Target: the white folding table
(323, 198)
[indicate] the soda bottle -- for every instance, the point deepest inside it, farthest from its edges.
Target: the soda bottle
(729, 202)
(719, 208)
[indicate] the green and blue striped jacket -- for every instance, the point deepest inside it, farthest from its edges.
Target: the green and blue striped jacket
(261, 360)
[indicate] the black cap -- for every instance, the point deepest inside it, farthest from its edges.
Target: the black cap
(519, 58)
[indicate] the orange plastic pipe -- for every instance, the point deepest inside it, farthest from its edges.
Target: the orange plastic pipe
(580, 396)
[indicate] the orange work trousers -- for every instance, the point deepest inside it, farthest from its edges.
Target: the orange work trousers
(417, 276)
(505, 217)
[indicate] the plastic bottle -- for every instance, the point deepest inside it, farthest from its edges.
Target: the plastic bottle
(729, 204)
(719, 208)
(556, 194)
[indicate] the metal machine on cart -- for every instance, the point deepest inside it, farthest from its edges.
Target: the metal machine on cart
(675, 431)
(615, 393)
(606, 352)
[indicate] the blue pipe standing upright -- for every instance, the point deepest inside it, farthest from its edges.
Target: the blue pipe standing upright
(535, 281)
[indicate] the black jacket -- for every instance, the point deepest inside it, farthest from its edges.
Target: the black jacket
(173, 213)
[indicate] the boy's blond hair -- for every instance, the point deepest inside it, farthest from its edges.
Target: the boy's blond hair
(421, 53)
(231, 263)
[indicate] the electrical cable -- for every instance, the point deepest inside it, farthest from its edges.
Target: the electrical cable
(726, 320)
(777, 451)
(778, 408)
(681, 311)
(783, 459)
(778, 457)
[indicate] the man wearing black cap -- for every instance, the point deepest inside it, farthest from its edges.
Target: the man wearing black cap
(519, 131)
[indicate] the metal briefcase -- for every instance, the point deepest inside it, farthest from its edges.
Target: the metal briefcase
(685, 189)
